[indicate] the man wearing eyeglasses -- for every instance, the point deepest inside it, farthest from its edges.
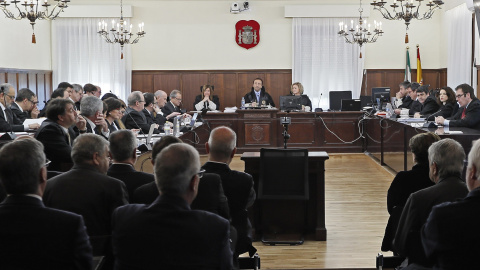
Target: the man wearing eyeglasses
(468, 114)
(134, 118)
(167, 234)
(8, 120)
(25, 105)
(173, 105)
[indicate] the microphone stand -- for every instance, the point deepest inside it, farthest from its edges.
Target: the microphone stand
(285, 121)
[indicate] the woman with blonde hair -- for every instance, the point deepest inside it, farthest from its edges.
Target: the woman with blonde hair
(297, 90)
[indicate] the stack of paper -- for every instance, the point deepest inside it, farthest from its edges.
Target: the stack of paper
(230, 109)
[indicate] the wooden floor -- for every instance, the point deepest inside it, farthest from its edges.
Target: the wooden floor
(356, 215)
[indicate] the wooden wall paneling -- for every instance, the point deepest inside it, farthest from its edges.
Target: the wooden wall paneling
(22, 81)
(191, 83)
(278, 85)
(142, 82)
(432, 78)
(374, 78)
(32, 82)
(41, 91)
(2, 77)
(443, 77)
(226, 89)
(392, 80)
(167, 82)
(12, 79)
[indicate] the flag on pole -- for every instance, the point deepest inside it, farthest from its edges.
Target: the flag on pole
(419, 67)
(408, 69)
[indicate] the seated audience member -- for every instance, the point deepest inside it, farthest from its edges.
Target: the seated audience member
(450, 236)
(91, 90)
(167, 234)
(468, 115)
(297, 90)
(109, 95)
(173, 105)
(76, 95)
(114, 107)
(429, 104)
(59, 93)
(408, 182)
(238, 186)
(25, 105)
(34, 236)
(91, 108)
(258, 96)
(152, 112)
(402, 99)
(448, 105)
(8, 120)
(210, 195)
(86, 189)
(413, 105)
(68, 87)
(134, 117)
(207, 101)
(445, 159)
(57, 135)
(123, 147)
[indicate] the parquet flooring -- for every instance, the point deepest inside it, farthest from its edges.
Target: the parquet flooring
(356, 215)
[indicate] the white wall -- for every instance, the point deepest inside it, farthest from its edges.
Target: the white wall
(199, 35)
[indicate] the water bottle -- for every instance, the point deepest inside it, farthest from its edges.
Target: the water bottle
(177, 127)
(243, 103)
(389, 110)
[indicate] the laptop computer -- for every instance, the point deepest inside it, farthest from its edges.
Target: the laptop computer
(351, 105)
(194, 119)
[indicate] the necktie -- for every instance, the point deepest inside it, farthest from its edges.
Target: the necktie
(9, 116)
(258, 97)
(463, 113)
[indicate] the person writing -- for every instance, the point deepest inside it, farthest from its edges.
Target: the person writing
(297, 90)
(207, 101)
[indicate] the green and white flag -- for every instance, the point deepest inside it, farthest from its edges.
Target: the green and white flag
(408, 69)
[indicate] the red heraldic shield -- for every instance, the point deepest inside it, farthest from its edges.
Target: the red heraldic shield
(247, 33)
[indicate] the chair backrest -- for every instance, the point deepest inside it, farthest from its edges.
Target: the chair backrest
(336, 99)
(283, 174)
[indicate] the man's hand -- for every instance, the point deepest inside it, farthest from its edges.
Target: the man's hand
(416, 115)
(398, 111)
(173, 114)
(81, 123)
(101, 122)
(34, 113)
(34, 126)
(399, 95)
(439, 120)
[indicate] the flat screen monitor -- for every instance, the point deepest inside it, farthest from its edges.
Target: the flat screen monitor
(351, 105)
(290, 103)
(381, 98)
(378, 90)
(336, 99)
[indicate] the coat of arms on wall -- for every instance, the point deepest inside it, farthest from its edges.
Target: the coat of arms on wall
(247, 33)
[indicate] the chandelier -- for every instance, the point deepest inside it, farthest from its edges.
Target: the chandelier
(407, 11)
(31, 11)
(362, 33)
(121, 35)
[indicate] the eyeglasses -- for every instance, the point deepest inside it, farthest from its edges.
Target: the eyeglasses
(200, 173)
(459, 96)
(47, 162)
(179, 99)
(33, 102)
(12, 97)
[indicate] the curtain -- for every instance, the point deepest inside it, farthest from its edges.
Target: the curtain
(80, 55)
(323, 61)
(459, 47)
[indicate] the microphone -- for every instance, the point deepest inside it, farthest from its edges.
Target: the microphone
(318, 105)
(433, 115)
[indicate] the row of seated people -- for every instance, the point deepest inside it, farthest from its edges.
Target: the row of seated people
(446, 107)
(163, 233)
(433, 221)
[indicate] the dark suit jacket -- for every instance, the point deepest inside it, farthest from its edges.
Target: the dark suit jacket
(429, 106)
(169, 108)
(159, 119)
(450, 236)
(112, 127)
(134, 120)
(168, 235)
(36, 237)
(215, 100)
(406, 103)
(85, 191)
(128, 175)
(16, 125)
(56, 145)
(264, 96)
(238, 188)
(415, 107)
(415, 213)
(445, 111)
(21, 115)
(404, 184)
(210, 195)
(472, 116)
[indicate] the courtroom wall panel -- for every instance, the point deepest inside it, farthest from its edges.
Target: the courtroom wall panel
(436, 78)
(39, 81)
(230, 85)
